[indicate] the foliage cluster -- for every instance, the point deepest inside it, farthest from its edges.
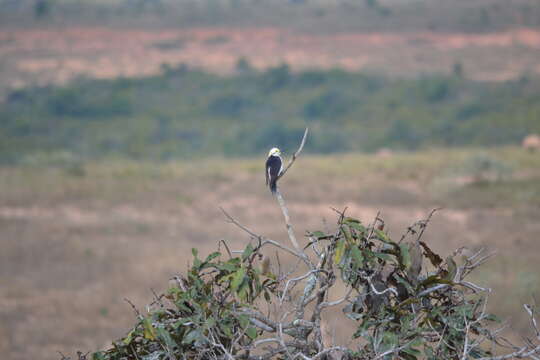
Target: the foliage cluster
(186, 113)
(407, 302)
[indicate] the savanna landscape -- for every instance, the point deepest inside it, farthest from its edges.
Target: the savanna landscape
(126, 126)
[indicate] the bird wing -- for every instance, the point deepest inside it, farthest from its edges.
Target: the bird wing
(267, 172)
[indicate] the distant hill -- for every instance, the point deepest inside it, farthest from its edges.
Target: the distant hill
(184, 113)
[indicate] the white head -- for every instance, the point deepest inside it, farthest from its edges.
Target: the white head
(274, 152)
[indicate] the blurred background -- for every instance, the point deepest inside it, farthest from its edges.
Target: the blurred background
(125, 124)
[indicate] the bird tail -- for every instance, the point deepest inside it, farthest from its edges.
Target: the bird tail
(273, 186)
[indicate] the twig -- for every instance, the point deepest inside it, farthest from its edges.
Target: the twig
(264, 241)
(64, 357)
(522, 353)
(530, 310)
(233, 221)
(280, 199)
(392, 351)
(329, 350)
(225, 245)
(295, 155)
(134, 308)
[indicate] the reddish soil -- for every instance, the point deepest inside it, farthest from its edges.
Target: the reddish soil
(56, 55)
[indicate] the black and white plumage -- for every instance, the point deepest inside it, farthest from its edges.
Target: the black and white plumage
(274, 167)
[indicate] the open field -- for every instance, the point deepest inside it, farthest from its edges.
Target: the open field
(77, 240)
(57, 54)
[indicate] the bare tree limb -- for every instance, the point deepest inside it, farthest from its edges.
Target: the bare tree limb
(288, 224)
(295, 155)
(280, 199)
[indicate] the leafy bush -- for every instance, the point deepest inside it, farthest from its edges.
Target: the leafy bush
(406, 301)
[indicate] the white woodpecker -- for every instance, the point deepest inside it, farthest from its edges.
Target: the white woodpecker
(274, 167)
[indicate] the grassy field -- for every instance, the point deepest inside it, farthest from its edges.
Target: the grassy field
(78, 239)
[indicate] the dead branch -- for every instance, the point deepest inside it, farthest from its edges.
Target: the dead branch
(295, 155)
(281, 200)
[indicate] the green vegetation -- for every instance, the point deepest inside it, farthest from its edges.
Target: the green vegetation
(120, 227)
(184, 113)
(405, 301)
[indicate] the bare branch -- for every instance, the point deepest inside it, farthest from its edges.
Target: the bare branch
(530, 310)
(337, 302)
(522, 353)
(264, 241)
(233, 221)
(321, 354)
(392, 351)
(134, 308)
(295, 155)
(281, 201)
(288, 224)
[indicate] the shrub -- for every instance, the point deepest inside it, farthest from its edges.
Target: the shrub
(407, 301)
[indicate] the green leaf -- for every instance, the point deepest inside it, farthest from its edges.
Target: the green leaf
(210, 322)
(340, 248)
(212, 256)
(226, 328)
(383, 237)
(244, 321)
(195, 252)
(251, 332)
(417, 342)
(238, 278)
(404, 256)
(357, 256)
(129, 337)
(191, 337)
(318, 234)
(247, 252)
(180, 322)
(355, 224)
(415, 353)
(347, 234)
(390, 340)
(98, 356)
(149, 330)
(494, 318)
(164, 336)
(382, 256)
(228, 266)
(243, 292)
(405, 283)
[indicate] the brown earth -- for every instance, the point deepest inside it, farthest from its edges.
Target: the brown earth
(73, 247)
(58, 54)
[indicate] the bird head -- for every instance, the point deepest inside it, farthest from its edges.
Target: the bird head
(274, 152)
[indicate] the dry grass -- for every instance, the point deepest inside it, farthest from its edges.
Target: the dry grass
(31, 56)
(73, 246)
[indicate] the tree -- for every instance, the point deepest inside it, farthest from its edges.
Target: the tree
(407, 301)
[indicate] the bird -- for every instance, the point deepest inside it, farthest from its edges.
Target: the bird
(273, 168)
